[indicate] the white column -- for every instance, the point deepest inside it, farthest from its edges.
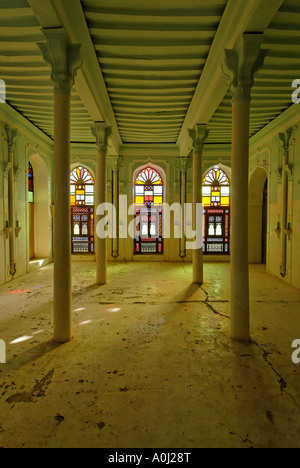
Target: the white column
(64, 60)
(115, 163)
(284, 139)
(102, 134)
(241, 63)
(183, 164)
(198, 135)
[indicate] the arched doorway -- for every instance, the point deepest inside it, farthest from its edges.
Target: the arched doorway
(264, 223)
(148, 200)
(82, 193)
(216, 220)
(31, 211)
(258, 216)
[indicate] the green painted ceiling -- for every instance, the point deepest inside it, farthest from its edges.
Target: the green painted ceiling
(272, 91)
(27, 77)
(151, 54)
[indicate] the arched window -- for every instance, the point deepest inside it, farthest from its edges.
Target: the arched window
(30, 184)
(148, 199)
(82, 210)
(216, 202)
(82, 187)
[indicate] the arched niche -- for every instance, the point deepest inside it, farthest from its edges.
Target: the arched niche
(39, 210)
(257, 214)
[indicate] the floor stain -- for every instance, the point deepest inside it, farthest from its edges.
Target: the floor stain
(38, 391)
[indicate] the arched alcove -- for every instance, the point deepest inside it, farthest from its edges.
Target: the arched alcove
(39, 209)
(258, 215)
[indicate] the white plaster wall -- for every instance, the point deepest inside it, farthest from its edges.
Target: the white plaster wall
(266, 151)
(2, 210)
(295, 245)
(29, 138)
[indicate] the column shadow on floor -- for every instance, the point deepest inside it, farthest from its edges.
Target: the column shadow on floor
(31, 354)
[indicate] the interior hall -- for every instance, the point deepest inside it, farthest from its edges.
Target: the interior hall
(149, 224)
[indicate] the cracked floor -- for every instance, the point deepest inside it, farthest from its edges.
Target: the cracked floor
(151, 363)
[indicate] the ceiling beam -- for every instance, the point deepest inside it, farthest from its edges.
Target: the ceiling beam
(239, 16)
(90, 84)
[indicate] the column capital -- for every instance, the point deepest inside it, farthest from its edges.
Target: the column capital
(63, 58)
(115, 162)
(102, 133)
(12, 136)
(183, 163)
(6, 168)
(198, 135)
(241, 64)
(284, 139)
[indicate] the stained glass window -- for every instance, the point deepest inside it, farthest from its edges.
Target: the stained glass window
(82, 210)
(148, 199)
(81, 187)
(148, 188)
(216, 223)
(216, 188)
(30, 184)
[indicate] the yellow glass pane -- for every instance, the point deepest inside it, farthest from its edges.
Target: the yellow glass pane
(80, 192)
(206, 201)
(225, 201)
(158, 200)
(139, 200)
(73, 201)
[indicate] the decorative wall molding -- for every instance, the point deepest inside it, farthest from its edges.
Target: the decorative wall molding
(6, 168)
(11, 117)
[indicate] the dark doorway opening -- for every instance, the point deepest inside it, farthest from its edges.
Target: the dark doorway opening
(264, 224)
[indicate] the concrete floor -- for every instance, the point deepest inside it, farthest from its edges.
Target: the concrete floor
(151, 363)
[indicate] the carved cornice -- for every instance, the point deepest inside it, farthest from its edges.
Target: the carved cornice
(63, 58)
(242, 63)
